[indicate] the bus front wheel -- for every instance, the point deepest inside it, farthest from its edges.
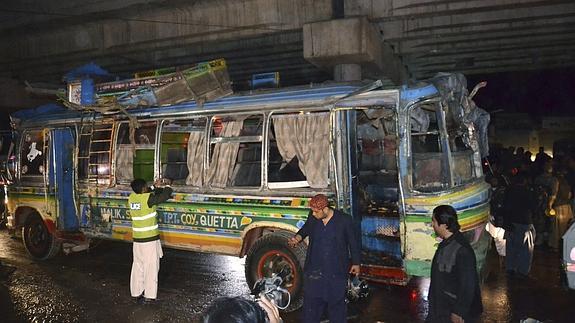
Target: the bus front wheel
(271, 254)
(38, 241)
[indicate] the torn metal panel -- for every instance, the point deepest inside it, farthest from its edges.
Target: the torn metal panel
(419, 120)
(462, 110)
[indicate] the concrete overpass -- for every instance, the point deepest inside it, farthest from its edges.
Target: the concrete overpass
(305, 40)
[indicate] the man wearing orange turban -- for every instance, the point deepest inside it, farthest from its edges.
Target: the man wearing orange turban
(332, 254)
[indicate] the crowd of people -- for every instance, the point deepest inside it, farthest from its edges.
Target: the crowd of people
(532, 200)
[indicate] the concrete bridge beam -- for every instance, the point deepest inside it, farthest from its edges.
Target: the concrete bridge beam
(353, 48)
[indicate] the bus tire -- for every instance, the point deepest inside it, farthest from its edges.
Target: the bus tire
(271, 253)
(38, 241)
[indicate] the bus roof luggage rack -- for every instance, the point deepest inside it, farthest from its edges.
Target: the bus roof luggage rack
(203, 82)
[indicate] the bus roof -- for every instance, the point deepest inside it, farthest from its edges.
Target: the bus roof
(293, 96)
(313, 95)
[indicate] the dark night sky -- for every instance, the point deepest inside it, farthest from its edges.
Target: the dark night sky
(538, 93)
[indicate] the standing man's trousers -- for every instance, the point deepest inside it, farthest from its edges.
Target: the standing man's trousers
(145, 268)
(321, 294)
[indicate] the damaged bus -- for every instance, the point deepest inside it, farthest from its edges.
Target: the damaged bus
(244, 167)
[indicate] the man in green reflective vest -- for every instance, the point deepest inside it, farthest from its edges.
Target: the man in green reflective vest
(147, 249)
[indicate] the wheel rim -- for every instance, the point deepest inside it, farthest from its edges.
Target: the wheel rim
(38, 237)
(273, 262)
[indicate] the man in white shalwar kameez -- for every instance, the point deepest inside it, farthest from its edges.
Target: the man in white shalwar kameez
(147, 249)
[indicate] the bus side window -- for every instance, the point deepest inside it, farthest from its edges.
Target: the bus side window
(462, 159)
(132, 164)
(299, 150)
(11, 154)
(183, 150)
(32, 156)
(429, 173)
(235, 151)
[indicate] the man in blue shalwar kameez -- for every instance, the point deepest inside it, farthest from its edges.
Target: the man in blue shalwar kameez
(332, 254)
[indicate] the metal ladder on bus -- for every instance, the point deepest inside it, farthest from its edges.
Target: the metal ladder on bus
(94, 177)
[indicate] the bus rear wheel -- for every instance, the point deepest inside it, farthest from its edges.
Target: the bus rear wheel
(38, 241)
(271, 254)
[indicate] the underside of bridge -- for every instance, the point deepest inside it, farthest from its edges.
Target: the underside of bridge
(304, 40)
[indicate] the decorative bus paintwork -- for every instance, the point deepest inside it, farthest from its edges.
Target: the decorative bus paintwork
(374, 175)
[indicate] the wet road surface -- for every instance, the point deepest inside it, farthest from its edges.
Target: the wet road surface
(93, 286)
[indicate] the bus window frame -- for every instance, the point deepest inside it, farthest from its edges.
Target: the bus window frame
(263, 139)
(470, 156)
(332, 171)
(211, 140)
(12, 158)
(115, 145)
(162, 122)
(446, 154)
(33, 180)
(444, 145)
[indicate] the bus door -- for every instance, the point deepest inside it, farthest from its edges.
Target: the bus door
(345, 155)
(377, 191)
(61, 177)
(353, 168)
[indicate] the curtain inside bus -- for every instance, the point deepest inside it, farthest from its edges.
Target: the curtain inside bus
(305, 136)
(196, 152)
(224, 154)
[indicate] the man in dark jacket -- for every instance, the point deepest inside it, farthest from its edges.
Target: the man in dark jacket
(332, 254)
(546, 186)
(454, 294)
(519, 206)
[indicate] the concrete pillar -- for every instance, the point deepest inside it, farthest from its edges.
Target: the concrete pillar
(352, 48)
(347, 72)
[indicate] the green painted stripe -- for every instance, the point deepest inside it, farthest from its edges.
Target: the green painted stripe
(236, 207)
(419, 268)
(474, 212)
(196, 207)
(418, 218)
(470, 213)
(27, 195)
(300, 202)
(202, 204)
